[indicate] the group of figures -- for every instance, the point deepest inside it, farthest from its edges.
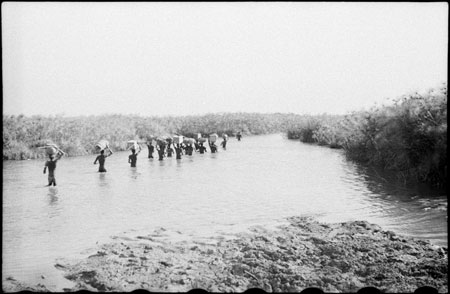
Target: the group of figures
(164, 149)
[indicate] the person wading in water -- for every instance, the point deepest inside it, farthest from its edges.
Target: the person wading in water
(178, 150)
(189, 149)
(101, 160)
(161, 148)
(213, 147)
(201, 148)
(169, 150)
(133, 157)
(224, 143)
(151, 148)
(51, 164)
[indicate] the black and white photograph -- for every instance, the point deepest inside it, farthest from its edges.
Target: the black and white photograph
(225, 147)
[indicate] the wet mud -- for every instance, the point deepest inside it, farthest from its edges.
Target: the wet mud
(338, 257)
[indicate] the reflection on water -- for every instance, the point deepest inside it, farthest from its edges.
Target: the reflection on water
(418, 210)
(103, 182)
(52, 193)
(53, 209)
(258, 181)
(382, 182)
(415, 210)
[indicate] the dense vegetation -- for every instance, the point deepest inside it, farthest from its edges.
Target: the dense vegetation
(408, 137)
(77, 135)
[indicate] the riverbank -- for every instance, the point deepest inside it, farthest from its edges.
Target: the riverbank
(408, 137)
(334, 257)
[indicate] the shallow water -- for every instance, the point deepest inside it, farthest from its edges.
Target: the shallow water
(260, 180)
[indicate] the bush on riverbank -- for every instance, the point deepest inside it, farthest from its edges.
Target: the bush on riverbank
(77, 135)
(304, 129)
(409, 137)
(322, 129)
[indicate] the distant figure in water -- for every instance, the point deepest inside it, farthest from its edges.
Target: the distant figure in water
(224, 144)
(169, 150)
(101, 159)
(133, 157)
(178, 150)
(201, 148)
(189, 149)
(238, 135)
(161, 150)
(151, 148)
(51, 164)
(213, 147)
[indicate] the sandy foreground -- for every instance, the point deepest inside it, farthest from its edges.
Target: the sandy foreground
(339, 257)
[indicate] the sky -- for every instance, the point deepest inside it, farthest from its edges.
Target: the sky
(188, 58)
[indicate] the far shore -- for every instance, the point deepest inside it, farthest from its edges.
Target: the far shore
(338, 257)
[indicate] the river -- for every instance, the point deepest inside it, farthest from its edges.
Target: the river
(260, 180)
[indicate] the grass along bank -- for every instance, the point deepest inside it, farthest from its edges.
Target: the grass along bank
(408, 137)
(78, 135)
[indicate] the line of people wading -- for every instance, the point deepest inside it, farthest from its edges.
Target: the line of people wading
(163, 147)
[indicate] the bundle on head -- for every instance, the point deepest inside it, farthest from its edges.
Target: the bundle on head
(213, 137)
(133, 145)
(101, 145)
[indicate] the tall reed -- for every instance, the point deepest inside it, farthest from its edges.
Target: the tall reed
(408, 137)
(77, 135)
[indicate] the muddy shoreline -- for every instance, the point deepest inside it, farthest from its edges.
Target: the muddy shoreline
(338, 257)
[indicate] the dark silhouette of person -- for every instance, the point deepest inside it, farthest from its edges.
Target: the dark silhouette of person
(224, 144)
(213, 147)
(133, 157)
(178, 151)
(169, 150)
(238, 135)
(151, 148)
(189, 149)
(101, 160)
(201, 148)
(51, 165)
(161, 150)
